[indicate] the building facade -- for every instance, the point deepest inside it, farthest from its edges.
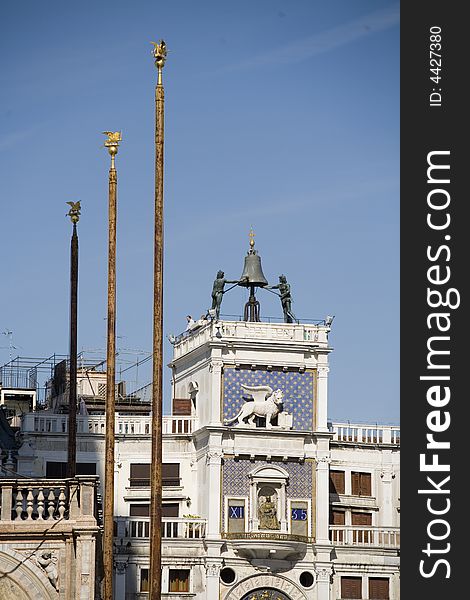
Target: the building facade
(263, 498)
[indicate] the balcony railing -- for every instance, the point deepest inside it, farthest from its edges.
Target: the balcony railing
(172, 528)
(124, 425)
(365, 434)
(46, 500)
(345, 535)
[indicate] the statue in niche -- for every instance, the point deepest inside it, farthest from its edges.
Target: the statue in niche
(267, 514)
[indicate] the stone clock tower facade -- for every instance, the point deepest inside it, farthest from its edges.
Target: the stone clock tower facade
(262, 451)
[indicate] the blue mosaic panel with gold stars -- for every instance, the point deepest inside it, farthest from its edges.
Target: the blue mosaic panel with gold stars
(298, 391)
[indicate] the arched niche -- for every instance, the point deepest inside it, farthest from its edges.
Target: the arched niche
(268, 498)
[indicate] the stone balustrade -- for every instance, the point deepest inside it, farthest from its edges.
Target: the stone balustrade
(345, 535)
(310, 334)
(365, 434)
(172, 528)
(44, 500)
(124, 425)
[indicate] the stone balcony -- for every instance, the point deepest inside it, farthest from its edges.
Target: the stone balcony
(268, 545)
(42, 422)
(364, 536)
(354, 433)
(138, 528)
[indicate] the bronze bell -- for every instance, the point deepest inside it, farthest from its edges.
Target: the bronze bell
(253, 275)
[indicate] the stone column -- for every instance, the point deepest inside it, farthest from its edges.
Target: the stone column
(213, 464)
(323, 572)
(215, 368)
(120, 579)
(322, 500)
(85, 565)
(213, 567)
(322, 398)
(387, 476)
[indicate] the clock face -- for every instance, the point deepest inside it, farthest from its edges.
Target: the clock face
(265, 594)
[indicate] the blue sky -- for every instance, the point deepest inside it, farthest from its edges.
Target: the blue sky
(280, 115)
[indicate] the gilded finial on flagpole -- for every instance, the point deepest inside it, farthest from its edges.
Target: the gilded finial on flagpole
(74, 212)
(159, 54)
(112, 143)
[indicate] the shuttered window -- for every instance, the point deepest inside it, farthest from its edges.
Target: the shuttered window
(337, 517)
(170, 474)
(139, 510)
(182, 406)
(336, 482)
(351, 588)
(361, 484)
(379, 588)
(140, 475)
(170, 510)
(363, 519)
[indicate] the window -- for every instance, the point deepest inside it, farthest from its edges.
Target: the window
(179, 580)
(361, 484)
(351, 588)
(170, 528)
(144, 580)
(227, 575)
(379, 588)
(170, 510)
(140, 475)
(59, 469)
(363, 519)
(170, 474)
(337, 517)
(139, 510)
(336, 482)
(236, 515)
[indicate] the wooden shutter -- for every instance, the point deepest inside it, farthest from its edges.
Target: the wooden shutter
(361, 484)
(337, 482)
(361, 536)
(140, 475)
(337, 517)
(351, 588)
(139, 510)
(366, 484)
(361, 518)
(355, 484)
(170, 474)
(379, 588)
(170, 510)
(182, 406)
